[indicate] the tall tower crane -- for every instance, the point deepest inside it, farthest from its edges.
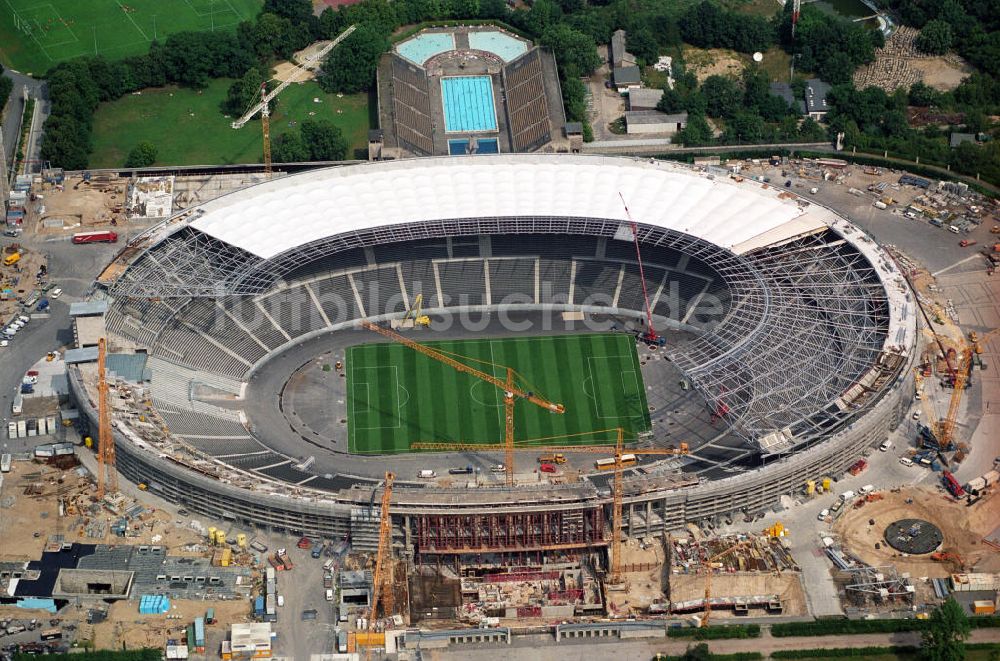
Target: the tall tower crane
(650, 335)
(946, 431)
(615, 575)
(382, 582)
(296, 75)
(105, 438)
(708, 579)
(796, 10)
(510, 387)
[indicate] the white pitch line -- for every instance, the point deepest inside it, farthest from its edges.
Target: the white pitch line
(958, 263)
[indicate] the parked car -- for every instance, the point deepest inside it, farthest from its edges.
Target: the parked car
(547, 468)
(55, 293)
(822, 515)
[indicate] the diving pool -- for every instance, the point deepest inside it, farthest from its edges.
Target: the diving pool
(500, 44)
(468, 104)
(424, 46)
(460, 147)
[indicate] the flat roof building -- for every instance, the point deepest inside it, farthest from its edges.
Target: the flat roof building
(654, 121)
(816, 92)
(626, 78)
(644, 98)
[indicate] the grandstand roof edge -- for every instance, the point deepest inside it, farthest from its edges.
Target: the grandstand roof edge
(274, 217)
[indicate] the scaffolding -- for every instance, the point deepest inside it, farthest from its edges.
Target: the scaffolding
(878, 586)
(453, 534)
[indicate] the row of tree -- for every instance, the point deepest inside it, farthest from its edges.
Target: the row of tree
(6, 85)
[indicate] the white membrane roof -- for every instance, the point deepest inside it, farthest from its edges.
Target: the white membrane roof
(271, 218)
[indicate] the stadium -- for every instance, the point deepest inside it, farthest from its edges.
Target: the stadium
(262, 400)
(468, 90)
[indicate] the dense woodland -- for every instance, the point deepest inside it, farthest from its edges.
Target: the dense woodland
(742, 110)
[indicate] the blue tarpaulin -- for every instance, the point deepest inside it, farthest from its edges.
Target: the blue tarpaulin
(153, 604)
(43, 604)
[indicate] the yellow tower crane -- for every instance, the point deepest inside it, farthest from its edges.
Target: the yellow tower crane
(296, 75)
(615, 575)
(107, 472)
(708, 579)
(510, 387)
(382, 580)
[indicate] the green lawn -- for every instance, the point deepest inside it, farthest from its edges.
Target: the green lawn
(397, 396)
(35, 34)
(188, 128)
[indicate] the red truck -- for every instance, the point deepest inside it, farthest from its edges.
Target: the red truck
(101, 236)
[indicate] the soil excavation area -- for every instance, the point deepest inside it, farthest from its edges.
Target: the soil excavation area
(963, 527)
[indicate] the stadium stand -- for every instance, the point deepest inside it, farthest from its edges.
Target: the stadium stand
(390, 253)
(553, 280)
(379, 290)
(243, 309)
(595, 282)
(463, 282)
(512, 280)
(256, 460)
(336, 296)
(412, 106)
(527, 108)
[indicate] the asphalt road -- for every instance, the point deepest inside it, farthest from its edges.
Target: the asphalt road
(15, 106)
(72, 268)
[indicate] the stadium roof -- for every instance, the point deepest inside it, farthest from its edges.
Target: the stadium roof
(331, 201)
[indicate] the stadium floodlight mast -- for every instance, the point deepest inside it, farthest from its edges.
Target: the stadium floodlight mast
(650, 335)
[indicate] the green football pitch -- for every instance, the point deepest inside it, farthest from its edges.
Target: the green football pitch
(397, 396)
(35, 34)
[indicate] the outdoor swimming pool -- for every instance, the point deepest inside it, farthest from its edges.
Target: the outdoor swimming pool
(424, 46)
(468, 104)
(499, 43)
(460, 147)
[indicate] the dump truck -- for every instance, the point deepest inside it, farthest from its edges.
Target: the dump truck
(556, 458)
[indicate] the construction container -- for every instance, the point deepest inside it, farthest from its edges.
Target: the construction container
(153, 604)
(241, 540)
(258, 606)
(211, 534)
(810, 487)
(222, 558)
(366, 639)
(983, 607)
(220, 537)
(199, 633)
(826, 483)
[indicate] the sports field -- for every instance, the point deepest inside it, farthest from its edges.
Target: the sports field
(396, 396)
(35, 34)
(188, 129)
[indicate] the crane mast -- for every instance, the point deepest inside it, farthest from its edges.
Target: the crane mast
(650, 335)
(107, 472)
(382, 580)
(508, 386)
(265, 127)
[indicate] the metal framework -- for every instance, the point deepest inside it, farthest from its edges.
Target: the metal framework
(460, 534)
(796, 356)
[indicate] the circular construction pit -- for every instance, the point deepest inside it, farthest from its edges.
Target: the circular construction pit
(913, 536)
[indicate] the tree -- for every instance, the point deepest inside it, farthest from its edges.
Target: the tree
(350, 68)
(935, 38)
(299, 11)
(575, 51)
(923, 95)
(744, 127)
(699, 652)
(671, 101)
(722, 95)
(323, 140)
(6, 85)
(947, 630)
(696, 133)
(142, 155)
(289, 148)
(242, 93)
(642, 44)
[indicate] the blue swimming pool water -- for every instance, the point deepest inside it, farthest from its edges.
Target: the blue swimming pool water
(503, 45)
(423, 47)
(468, 104)
(460, 147)
(488, 146)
